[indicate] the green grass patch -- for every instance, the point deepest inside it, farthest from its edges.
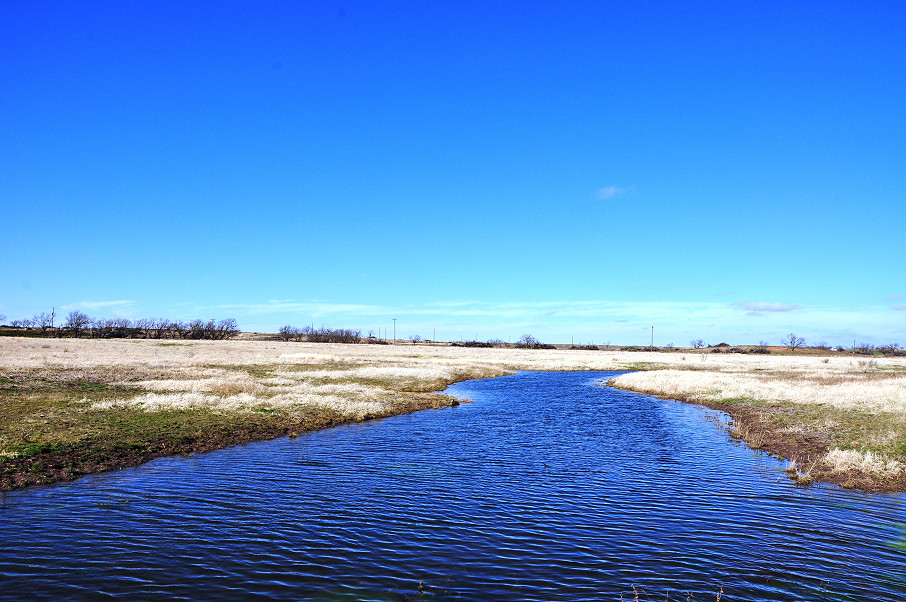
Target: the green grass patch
(646, 366)
(845, 428)
(52, 429)
(309, 367)
(743, 400)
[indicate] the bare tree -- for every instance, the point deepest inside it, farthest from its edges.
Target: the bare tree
(43, 321)
(864, 349)
(180, 328)
(196, 329)
(76, 321)
(697, 344)
(527, 341)
(792, 341)
(144, 326)
(2, 317)
(159, 326)
(106, 328)
(292, 333)
(227, 329)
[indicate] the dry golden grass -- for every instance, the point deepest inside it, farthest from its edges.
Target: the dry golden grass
(69, 407)
(244, 381)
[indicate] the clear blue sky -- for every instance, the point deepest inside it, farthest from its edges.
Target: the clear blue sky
(726, 171)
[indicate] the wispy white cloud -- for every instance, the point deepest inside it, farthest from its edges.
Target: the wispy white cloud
(899, 307)
(608, 192)
(116, 307)
(314, 308)
(623, 322)
(754, 308)
(895, 297)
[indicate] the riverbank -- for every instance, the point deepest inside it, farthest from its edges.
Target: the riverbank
(72, 407)
(839, 420)
(77, 406)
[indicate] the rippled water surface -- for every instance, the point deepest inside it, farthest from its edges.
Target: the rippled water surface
(545, 488)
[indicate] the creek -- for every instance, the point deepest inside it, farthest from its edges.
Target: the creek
(547, 486)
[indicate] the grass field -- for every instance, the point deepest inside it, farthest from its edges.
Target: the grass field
(76, 406)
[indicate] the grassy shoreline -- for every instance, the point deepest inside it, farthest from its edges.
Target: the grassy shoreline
(836, 420)
(72, 407)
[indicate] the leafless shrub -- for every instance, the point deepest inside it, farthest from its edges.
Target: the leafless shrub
(328, 335)
(792, 341)
(44, 322)
(893, 349)
(866, 365)
(287, 333)
(864, 349)
(529, 342)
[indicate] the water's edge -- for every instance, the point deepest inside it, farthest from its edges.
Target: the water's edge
(545, 487)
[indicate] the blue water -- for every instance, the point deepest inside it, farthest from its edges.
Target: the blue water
(545, 487)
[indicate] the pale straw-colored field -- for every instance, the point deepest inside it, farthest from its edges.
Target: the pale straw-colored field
(245, 375)
(359, 381)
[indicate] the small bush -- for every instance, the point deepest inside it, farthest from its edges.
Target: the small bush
(529, 342)
(473, 344)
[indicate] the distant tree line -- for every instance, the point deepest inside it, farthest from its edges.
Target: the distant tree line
(77, 324)
(477, 344)
(320, 335)
(892, 349)
(527, 341)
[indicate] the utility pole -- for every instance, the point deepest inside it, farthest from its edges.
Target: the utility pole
(394, 330)
(652, 339)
